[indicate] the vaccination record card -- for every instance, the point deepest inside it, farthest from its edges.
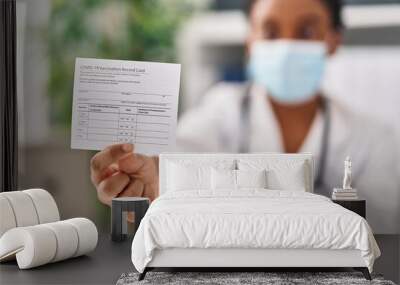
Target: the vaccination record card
(120, 101)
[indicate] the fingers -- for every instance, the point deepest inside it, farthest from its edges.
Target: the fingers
(132, 163)
(111, 187)
(138, 189)
(134, 189)
(102, 160)
(113, 168)
(139, 166)
(150, 192)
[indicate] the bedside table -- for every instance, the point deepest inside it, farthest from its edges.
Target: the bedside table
(120, 208)
(356, 206)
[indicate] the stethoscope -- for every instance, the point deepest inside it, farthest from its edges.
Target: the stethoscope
(244, 145)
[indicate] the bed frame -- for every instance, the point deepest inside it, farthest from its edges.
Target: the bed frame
(236, 259)
(233, 259)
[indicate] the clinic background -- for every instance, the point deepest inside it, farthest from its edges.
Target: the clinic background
(205, 36)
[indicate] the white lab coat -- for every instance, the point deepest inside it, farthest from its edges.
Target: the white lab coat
(215, 126)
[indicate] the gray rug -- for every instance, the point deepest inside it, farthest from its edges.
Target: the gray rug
(268, 278)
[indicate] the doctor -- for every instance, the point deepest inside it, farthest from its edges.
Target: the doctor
(281, 109)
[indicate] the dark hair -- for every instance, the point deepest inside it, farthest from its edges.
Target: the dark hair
(334, 7)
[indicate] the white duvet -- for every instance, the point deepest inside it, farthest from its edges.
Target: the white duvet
(250, 219)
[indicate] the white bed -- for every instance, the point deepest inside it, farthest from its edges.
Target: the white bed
(194, 223)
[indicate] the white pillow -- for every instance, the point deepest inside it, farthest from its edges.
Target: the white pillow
(223, 179)
(288, 177)
(281, 174)
(236, 179)
(251, 178)
(193, 174)
(185, 177)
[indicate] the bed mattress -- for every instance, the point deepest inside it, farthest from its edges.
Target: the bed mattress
(250, 219)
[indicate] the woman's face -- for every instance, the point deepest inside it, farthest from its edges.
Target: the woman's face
(292, 20)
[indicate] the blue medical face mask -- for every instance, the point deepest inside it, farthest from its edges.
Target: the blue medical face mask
(291, 71)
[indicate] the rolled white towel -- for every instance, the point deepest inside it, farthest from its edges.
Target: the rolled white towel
(67, 239)
(7, 218)
(23, 208)
(46, 207)
(26, 208)
(33, 246)
(40, 244)
(87, 233)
